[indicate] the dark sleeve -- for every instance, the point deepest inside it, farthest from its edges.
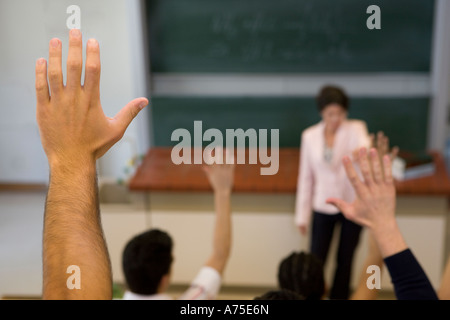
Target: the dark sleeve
(409, 280)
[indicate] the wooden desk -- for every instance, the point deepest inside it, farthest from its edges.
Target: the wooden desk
(158, 173)
(435, 185)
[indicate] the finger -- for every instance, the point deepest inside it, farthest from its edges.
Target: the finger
(208, 158)
(356, 155)
(385, 149)
(55, 77)
(372, 140)
(376, 166)
(380, 141)
(365, 166)
(387, 170)
(129, 112)
(219, 155)
(230, 162)
(92, 70)
(74, 60)
(42, 95)
(302, 229)
(353, 177)
(229, 157)
(343, 206)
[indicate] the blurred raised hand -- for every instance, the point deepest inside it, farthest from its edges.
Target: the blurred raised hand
(381, 143)
(220, 176)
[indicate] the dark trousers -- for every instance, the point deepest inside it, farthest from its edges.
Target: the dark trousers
(322, 233)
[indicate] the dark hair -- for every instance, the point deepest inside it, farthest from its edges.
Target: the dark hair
(282, 294)
(302, 273)
(332, 94)
(146, 259)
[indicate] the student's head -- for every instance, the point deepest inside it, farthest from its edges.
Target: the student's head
(282, 294)
(146, 262)
(302, 273)
(333, 104)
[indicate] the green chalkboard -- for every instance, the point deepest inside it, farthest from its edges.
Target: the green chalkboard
(288, 36)
(404, 120)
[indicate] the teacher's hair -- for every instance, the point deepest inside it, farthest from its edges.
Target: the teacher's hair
(332, 95)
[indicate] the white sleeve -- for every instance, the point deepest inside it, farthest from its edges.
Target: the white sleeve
(305, 184)
(205, 286)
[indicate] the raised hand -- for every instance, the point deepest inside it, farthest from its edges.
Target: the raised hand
(74, 133)
(220, 176)
(71, 120)
(381, 143)
(375, 201)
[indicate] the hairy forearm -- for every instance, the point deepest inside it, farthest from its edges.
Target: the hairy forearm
(73, 234)
(222, 231)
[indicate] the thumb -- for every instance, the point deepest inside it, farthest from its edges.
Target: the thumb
(340, 204)
(130, 111)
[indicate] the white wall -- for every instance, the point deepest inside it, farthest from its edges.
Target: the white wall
(263, 234)
(21, 226)
(27, 26)
(440, 102)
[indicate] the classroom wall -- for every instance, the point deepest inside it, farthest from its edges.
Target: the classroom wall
(27, 26)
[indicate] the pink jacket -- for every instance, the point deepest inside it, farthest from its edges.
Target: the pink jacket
(318, 179)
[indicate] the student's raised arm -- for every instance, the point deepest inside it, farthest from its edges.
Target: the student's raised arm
(74, 133)
(221, 177)
(374, 208)
(375, 204)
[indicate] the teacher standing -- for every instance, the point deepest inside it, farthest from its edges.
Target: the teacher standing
(322, 176)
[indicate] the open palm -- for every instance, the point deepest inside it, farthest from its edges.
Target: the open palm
(375, 196)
